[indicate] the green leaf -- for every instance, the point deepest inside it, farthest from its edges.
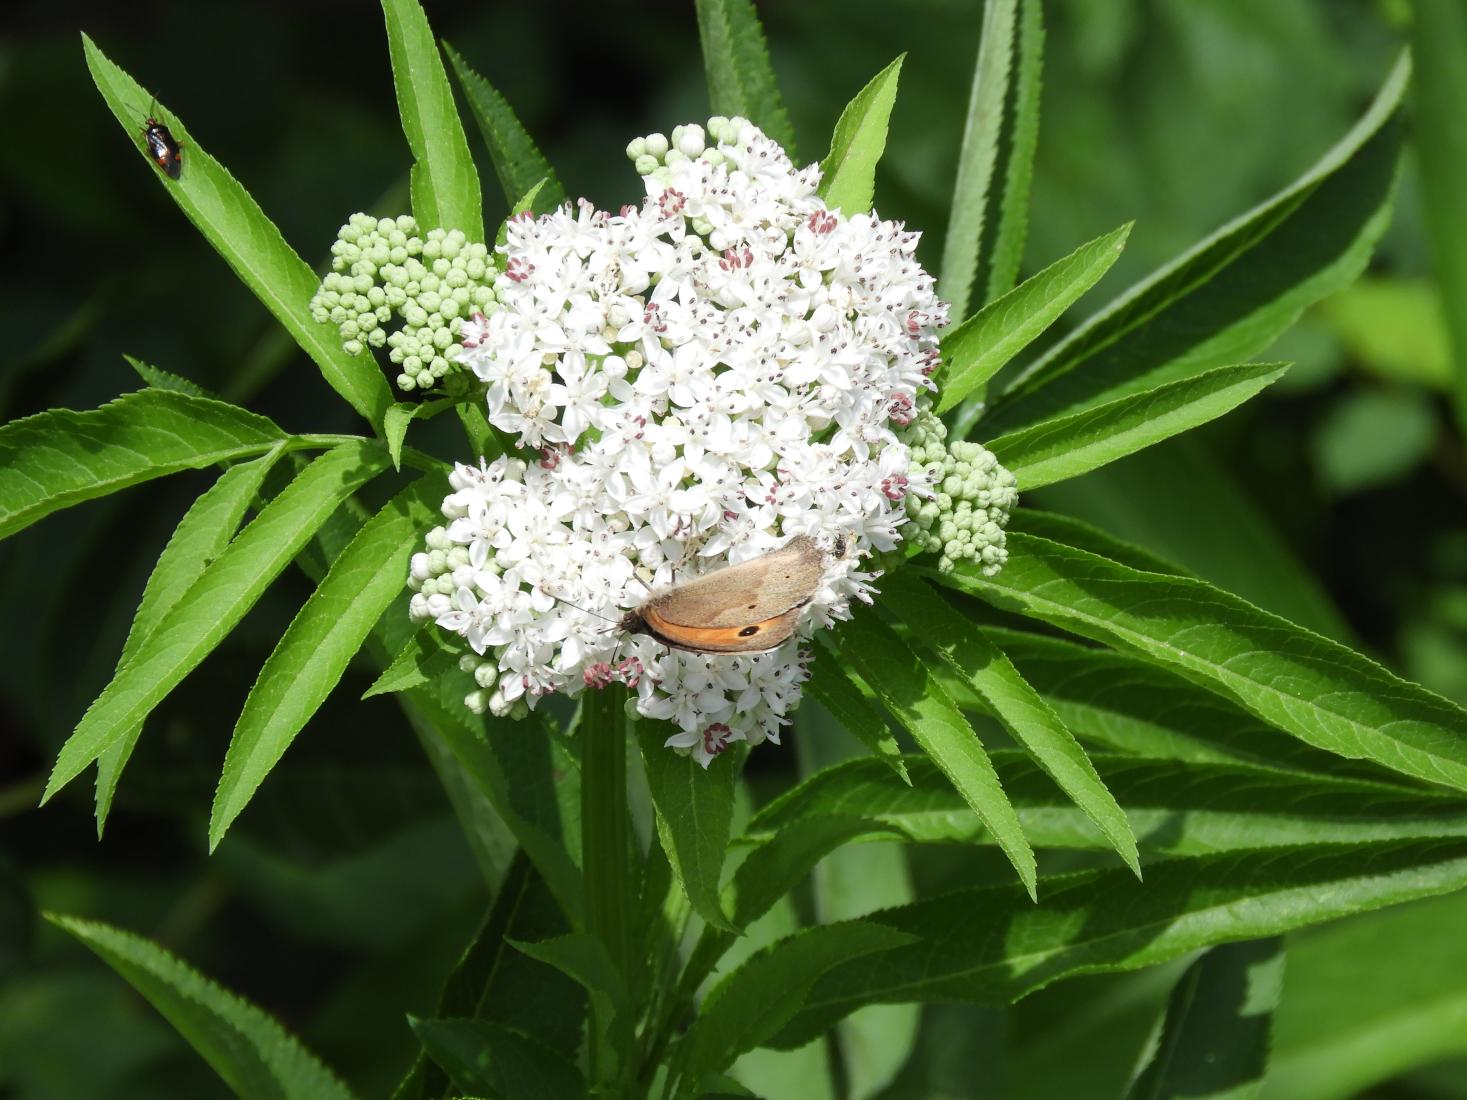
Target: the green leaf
(518, 162)
(1439, 96)
(907, 689)
(848, 171)
(781, 862)
(248, 241)
(1394, 328)
(249, 1050)
(215, 603)
(487, 1059)
(992, 944)
(694, 815)
(740, 75)
(423, 657)
(1027, 717)
(1230, 543)
(396, 419)
(978, 155)
(196, 543)
(582, 958)
(1009, 226)
(1369, 999)
(444, 184)
(1308, 686)
(59, 458)
(833, 689)
(1204, 810)
(1125, 703)
(1215, 1040)
(1063, 447)
(1231, 295)
(1058, 527)
(319, 644)
(753, 1002)
(158, 379)
(975, 350)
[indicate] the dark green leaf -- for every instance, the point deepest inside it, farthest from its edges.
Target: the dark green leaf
(489, 1060)
(858, 715)
(518, 163)
(694, 814)
(1215, 1042)
(753, 1002)
(248, 1049)
(740, 76)
(994, 944)
(423, 657)
(1008, 229)
(158, 379)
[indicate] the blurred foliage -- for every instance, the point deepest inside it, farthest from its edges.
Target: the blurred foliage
(339, 911)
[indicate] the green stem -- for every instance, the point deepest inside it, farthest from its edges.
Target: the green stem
(606, 845)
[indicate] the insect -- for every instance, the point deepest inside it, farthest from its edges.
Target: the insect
(167, 153)
(746, 608)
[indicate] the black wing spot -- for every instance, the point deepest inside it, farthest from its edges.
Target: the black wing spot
(752, 606)
(748, 632)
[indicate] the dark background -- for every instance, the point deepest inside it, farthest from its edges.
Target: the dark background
(346, 889)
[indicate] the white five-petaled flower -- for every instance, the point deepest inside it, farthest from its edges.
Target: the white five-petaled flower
(703, 376)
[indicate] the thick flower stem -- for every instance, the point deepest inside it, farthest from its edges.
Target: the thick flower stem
(606, 852)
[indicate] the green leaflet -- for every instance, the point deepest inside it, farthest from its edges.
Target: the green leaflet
(1308, 686)
(253, 1054)
(518, 162)
(1232, 294)
(1063, 447)
(248, 241)
(918, 702)
(1215, 1039)
(422, 657)
(1439, 92)
(216, 602)
(994, 944)
(754, 1001)
(488, 1059)
(1202, 810)
(59, 458)
(197, 541)
(1369, 999)
(740, 75)
(319, 643)
(974, 351)
(445, 184)
(835, 691)
(978, 155)
(1009, 225)
(935, 624)
(848, 172)
(694, 815)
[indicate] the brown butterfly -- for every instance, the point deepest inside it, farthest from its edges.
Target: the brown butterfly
(746, 608)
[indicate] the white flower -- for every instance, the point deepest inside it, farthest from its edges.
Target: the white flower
(704, 376)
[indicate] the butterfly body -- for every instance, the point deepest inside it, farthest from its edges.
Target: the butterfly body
(751, 607)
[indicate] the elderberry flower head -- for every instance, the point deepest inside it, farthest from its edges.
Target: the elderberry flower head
(433, 283)
(704, 376)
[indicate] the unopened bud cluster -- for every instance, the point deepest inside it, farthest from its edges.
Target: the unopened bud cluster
(386, 268)
(972, 496)
(435, 576)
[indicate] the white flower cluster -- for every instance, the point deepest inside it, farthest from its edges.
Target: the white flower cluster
(704, 376)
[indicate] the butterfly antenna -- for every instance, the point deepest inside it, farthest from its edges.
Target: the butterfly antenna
(578, 607)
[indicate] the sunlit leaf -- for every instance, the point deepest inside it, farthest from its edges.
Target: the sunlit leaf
(740, 75)
(848, 172)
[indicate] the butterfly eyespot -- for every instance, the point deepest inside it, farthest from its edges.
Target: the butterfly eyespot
(748, 632)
